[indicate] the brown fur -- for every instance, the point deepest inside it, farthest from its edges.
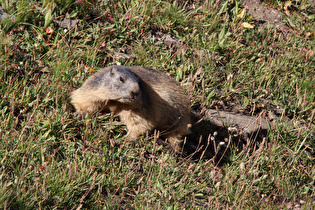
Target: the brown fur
(146, 100)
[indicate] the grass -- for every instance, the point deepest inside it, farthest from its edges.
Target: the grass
(49, 159)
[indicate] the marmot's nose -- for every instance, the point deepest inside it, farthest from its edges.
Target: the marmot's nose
(134, 94)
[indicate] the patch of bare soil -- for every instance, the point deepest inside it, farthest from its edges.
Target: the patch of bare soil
(264, 14)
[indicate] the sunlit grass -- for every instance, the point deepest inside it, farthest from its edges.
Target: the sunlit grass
(49, 159)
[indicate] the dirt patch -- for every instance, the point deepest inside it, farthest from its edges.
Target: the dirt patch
(264, 14)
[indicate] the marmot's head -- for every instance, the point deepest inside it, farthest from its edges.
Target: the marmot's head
(124, 85)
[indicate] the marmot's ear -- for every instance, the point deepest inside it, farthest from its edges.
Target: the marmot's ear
(112, 71)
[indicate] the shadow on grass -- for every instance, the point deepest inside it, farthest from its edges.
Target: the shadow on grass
(210, 141)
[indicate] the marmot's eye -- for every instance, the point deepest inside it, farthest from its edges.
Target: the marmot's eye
(122, 79)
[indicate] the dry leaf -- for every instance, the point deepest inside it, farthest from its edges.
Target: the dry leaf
(241, 13)
(307, 34)
(49, 30)
(247, 25)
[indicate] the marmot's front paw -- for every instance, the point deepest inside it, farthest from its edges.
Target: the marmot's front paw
(79, 115)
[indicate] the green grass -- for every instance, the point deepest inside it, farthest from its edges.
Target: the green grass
(49, 159)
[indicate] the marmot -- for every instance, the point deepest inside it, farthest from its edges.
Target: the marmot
(145, 99)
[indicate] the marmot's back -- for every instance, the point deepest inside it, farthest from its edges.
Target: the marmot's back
(167, 87)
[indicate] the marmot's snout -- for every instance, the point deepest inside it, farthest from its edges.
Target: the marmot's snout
(134, 94)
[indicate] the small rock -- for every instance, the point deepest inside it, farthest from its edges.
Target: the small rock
(3, 15)
(169, 41)
(68, 23)
(246, 126)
